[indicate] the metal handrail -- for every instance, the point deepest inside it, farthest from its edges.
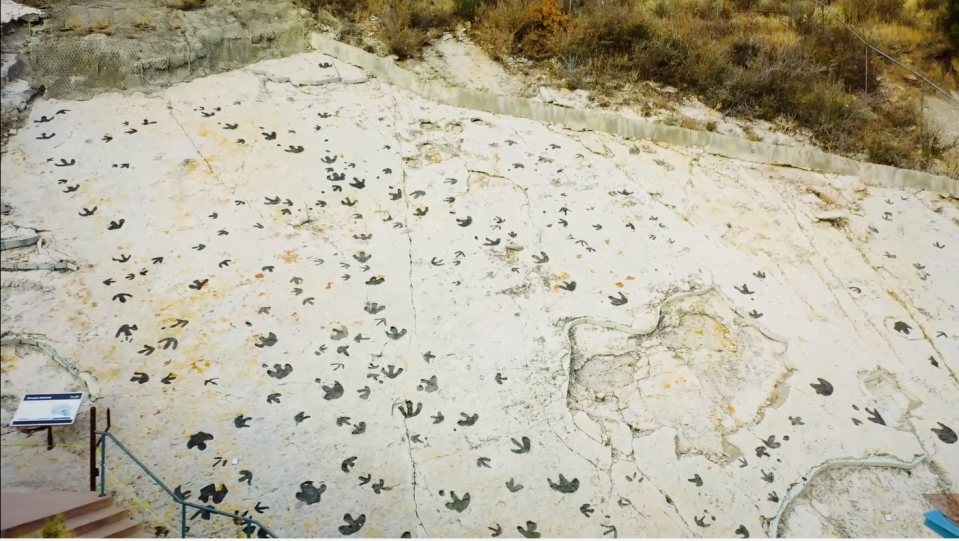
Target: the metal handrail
(183, 504)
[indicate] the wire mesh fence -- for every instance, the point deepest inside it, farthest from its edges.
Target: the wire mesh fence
(926, 107)
(938, 116)
(81, 49)
(937, 108)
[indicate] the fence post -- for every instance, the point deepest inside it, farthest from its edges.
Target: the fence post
(93, 449)
(182, 520)
(866, 47)
(922, 127)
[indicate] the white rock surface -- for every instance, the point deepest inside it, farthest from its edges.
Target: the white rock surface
(371, 302)
(8, 65)
(834, 505)
(16, 94)
(299, 69)
(832, 215)
(12, 11)
(578, 99)
(458, 62)
(308, 69)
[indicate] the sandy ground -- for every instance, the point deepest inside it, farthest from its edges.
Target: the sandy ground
(345, 310)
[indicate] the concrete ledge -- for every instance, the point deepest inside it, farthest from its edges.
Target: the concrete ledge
(713, 143)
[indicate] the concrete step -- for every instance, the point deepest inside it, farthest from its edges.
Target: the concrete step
(97, 519)
(24, 514)
(124, 528)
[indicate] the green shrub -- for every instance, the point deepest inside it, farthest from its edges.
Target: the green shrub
(742, 51)
(610, 31)
(844, 56)
(403, 40)
(886, 150)
(466, 9)
(950, 22)
(57, 528)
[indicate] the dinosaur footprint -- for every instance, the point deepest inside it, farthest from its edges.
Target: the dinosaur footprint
(564, 486)
(310, 494)
(352, 526)
(530, 531)
(459, 505)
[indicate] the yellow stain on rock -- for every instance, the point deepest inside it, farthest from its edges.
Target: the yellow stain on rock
(200, 366)
(8, 363)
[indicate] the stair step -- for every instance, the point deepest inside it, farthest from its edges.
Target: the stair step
(100, 503)
(27, 512)
(97, 519)
(124, 528)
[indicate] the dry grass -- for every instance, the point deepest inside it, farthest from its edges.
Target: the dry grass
(499, 25)
(75, 23)
(897, 36)
(857, 11)
(693, 124)
(144, 21)
(750, 133)
(185, 5)
(407, 25)
(804, 68)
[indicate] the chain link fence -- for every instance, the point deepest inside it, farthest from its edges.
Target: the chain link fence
(83, 48)
(938, 112)
(937, 108)
(921, 102)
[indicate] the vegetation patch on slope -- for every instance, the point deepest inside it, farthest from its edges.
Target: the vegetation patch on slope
(792, 61)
